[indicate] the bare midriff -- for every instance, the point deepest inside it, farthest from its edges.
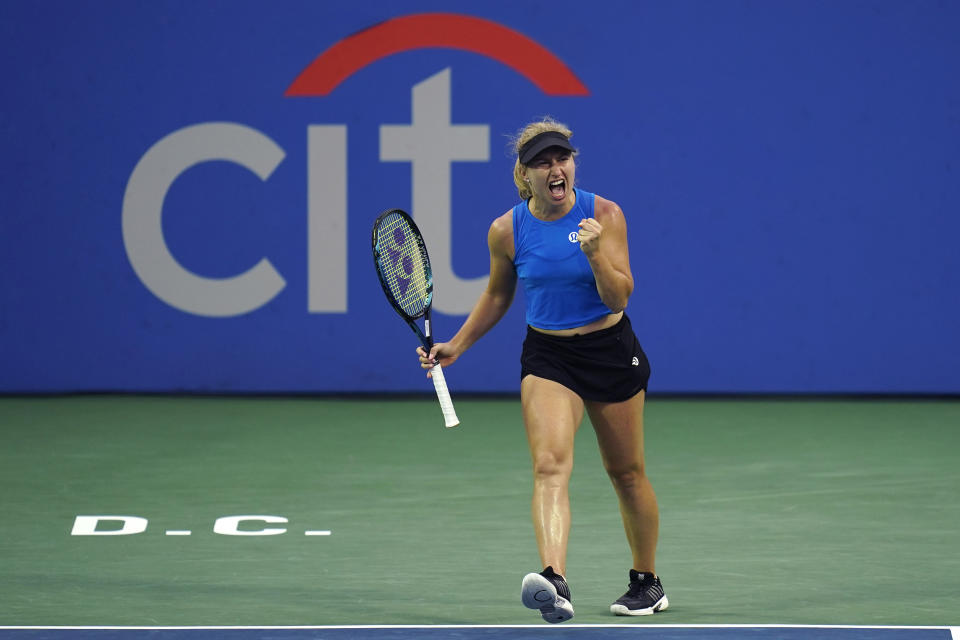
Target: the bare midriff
(603, 323)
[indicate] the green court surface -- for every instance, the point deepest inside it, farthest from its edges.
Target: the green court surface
(779, 511)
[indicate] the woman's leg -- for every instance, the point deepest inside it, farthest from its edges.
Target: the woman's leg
(619, 429)
(552, 414)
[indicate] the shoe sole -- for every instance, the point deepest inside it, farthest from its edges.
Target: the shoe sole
(536, 592)
(621, 610)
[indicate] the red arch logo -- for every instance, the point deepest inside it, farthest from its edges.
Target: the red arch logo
(443, 31)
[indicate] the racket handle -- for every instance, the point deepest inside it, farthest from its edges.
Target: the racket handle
(450, 418)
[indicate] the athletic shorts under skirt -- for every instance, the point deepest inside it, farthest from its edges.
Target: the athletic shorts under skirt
(605, 366)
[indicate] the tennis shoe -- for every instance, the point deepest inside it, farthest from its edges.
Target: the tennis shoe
(644, 596)
(548, 592)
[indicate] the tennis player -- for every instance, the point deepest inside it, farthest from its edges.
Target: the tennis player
(568, 248)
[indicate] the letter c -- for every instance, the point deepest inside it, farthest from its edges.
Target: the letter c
(230, 525)
(143, 208)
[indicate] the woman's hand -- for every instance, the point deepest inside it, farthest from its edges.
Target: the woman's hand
(589, 235)
(442, 353)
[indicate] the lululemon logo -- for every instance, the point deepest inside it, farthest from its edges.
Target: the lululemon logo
(635, 362)
(573, 237)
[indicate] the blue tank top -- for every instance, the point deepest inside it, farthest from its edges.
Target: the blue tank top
(558, 282)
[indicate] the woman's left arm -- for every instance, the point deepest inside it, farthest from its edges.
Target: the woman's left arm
(603, 239)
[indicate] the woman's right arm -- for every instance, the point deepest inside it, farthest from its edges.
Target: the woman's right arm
(494, 301)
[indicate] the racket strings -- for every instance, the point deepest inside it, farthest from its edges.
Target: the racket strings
(404, 265)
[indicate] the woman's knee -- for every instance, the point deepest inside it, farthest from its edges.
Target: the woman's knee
(628, 477)
(552, 464)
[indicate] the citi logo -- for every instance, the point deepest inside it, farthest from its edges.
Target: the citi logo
(430, 143)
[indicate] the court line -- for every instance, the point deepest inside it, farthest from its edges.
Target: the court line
(954, 631)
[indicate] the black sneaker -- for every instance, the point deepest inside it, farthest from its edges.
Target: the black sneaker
(644, 597)
(548, 592)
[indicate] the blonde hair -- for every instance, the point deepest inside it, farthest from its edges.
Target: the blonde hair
(547, 123)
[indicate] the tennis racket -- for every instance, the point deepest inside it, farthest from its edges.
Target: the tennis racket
(403, 266)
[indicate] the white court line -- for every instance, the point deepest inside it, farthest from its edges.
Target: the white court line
(954, 631)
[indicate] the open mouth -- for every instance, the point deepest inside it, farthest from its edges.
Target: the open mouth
(558, 188)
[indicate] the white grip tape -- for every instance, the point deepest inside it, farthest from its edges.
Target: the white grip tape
(446, 404)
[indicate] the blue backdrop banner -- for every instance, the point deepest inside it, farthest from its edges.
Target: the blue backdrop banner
(188, 187)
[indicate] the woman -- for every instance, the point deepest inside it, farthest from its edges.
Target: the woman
(568, 248)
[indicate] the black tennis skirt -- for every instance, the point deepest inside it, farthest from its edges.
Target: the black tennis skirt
(604, 366)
